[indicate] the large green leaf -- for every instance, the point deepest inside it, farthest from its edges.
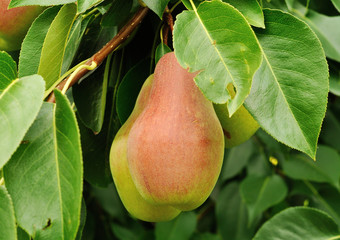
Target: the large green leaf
(90, 97)
(158, 6)
(232, 214)
(217, 40)
(289, 93)
(52, 53)
(8, 70)
(30, 52)
(260, 193)
(46, 174)
(251, 9)
(181, 228)
(19, 105)
(18, 3)
(8, 228)
(73, 42)
(326, 168)
(83, 5)
(299, 223)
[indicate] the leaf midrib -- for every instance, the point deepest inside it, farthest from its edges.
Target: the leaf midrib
(57, 169)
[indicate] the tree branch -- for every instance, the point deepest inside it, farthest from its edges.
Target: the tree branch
(112, 45)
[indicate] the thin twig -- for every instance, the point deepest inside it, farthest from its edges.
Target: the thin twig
(168, 25)
(111, 46)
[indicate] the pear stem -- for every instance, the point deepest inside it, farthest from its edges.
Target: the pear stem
(110, 47)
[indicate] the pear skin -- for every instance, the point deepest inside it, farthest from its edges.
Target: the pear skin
(238, 128)
(132, 200)
(14, 24)
(176, 145)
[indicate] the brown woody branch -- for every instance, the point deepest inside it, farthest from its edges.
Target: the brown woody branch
(100, 56)
(168, 25)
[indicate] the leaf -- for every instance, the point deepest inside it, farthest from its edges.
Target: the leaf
(289, 92)
(46, 172)
(181, 228)
(258, 165)
(95, 38)
(19, 105)
(83, 214)
(118, 13)
(334, 83)
(123, 233)
(330, 133)
(218, 41)
(328, 201)
(109, 200)
(187, 3)
(298, 223)
(236, 159)
(8, 70)
(30, 52)
(129, 89)
(260, 193)
(326, 168)
(52, 53)
(73, 42)
(18, 3)
(336, 4)
(325, 27)
(231, 214)
(251, 9)
(22, 235)
(135, 231)
(95, 156)
(327, 30)
(158, 6)
(206, 236)
(8, 227)
(90, 97)
(83, 5)
(161, 50)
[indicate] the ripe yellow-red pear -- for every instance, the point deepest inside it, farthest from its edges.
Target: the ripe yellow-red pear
(14, 24)
(175, 147)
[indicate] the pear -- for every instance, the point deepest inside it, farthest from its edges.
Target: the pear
(239, 127)
(14, 24)
(132, 200)
(175, 146)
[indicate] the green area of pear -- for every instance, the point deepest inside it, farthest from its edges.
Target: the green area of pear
(238, 128)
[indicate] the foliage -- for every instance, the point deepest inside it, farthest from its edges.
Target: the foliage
(281, 56)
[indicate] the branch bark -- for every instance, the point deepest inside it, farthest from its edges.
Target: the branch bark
(112, 45)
